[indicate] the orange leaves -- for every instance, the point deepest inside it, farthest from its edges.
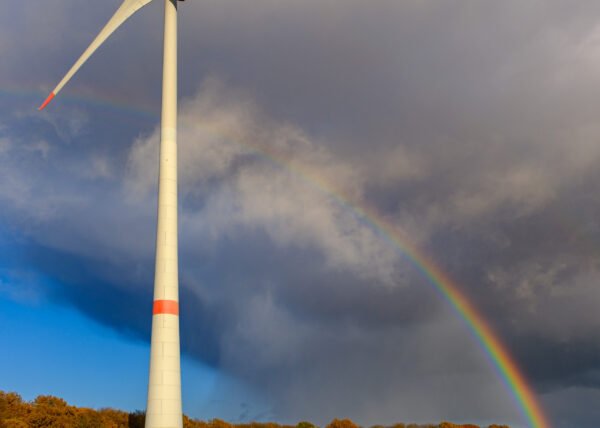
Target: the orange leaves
(47, 411)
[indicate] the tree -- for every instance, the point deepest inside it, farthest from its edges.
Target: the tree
(218, 423)
(13, 423)
(47, 411)
(342, 423)
(137, 419)
(112, 418)
(88, 418)
(11, 406)
(451, 425)
(51, 412)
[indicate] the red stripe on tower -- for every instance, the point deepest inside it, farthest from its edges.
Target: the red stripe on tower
(170, 307)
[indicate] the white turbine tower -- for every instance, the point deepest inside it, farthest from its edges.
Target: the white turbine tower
(164, 385)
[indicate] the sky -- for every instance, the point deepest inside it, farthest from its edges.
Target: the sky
(472, 127)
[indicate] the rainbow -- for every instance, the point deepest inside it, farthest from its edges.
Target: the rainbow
(115, 102)
(497, 353)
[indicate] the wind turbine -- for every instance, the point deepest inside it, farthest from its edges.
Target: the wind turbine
(164, 385)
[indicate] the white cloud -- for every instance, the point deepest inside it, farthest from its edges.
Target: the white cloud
(257, 173)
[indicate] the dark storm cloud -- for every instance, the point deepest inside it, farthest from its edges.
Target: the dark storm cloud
(471, 126)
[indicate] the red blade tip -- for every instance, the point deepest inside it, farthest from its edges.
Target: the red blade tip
(43, 106)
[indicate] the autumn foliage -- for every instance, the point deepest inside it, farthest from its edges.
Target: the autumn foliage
(47, 411)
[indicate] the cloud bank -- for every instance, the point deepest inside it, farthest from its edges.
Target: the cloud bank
(470, 127)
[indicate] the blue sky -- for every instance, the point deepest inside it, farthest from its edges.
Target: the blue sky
(59, 350)
(471, 127)
(56, 350)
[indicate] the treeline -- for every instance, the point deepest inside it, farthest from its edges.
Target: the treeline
(47, 411)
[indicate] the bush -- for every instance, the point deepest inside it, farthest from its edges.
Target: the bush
(342, 423)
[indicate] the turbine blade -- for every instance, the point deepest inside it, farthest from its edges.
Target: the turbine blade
(128, 8)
